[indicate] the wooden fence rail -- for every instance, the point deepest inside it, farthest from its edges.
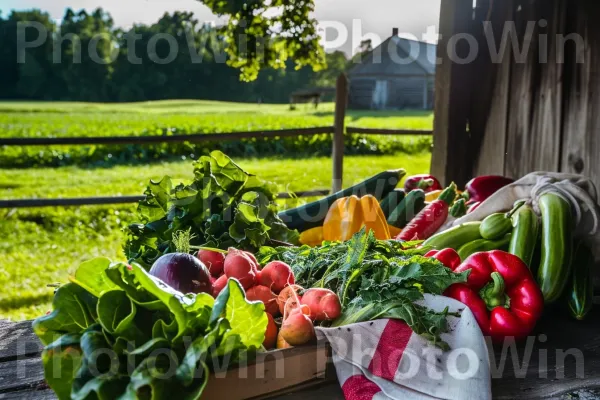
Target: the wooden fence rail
(91, 201)
(338, 129)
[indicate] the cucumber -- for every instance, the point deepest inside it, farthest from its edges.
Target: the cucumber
(313, 214)
(557, 243)
(408, 208)
(455, 237)
(581, 288)
(525, 234)
(479, 245)
(391, 201)
(495, 226)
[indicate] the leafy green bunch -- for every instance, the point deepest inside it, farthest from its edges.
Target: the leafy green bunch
(117, 332)
(374, 279)
(223, 207)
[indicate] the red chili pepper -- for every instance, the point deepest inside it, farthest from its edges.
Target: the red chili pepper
(448, 257)
(482, 187)
(501, 293)
(431, 218)
(427, 183)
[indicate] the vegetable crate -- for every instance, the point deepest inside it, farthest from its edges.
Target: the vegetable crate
(272, 373)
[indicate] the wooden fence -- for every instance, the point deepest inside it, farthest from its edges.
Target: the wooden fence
(338, 129)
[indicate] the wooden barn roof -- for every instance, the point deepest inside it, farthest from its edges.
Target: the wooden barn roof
(423, 55)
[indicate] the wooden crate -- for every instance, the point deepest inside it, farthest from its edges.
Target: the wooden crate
(273, 373)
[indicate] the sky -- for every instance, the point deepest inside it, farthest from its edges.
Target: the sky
(374, 16)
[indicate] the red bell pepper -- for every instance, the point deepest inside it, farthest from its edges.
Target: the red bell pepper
(427, 183)
(431, 218)
(448, 257)
(501, 293)
(482, 187)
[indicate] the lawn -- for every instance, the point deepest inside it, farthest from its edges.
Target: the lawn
(41, 246)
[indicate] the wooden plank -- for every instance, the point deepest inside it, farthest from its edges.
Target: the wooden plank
(192, 138)
(536, 106)
(489, 115)
(545, 136)
(17, 340)
(337, 152)
(374, 131)
(561, 359)
(581, 145)
(88, 201)
(450, 158)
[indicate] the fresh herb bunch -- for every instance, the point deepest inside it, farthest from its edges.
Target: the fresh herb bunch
(223, 207)
(374, 279)
(117, 332)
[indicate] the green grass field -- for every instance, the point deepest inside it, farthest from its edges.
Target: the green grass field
(41, 246)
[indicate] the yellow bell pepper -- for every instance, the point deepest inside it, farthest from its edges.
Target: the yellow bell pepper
(312, 237)
(348, 215)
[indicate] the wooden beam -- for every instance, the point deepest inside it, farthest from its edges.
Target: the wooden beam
(337, 154)
(451, 160)
(376, 131)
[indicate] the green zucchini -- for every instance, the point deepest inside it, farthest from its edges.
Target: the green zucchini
(557, 242)
(495, 226)
(525, 234)
(480, 245)
(408, 208)
(391, 201)
(313, 214)
(455, 237)
(580, 292)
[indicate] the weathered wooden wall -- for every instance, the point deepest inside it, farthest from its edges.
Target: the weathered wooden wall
(526, 114)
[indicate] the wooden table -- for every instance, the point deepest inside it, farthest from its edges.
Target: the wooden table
(562, 361)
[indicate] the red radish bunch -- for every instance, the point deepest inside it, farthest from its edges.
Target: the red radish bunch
(240, 266)
(277, 275)
(214, 261)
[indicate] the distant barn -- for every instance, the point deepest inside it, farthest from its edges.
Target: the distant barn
(399, 74)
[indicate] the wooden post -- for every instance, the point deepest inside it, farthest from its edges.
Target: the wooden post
(450, 159)
(337, 154)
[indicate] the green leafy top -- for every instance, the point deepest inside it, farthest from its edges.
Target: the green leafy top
(145, 328)
(373, 279)
(223, 207)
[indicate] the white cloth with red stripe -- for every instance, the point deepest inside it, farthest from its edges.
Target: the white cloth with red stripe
(385, 359)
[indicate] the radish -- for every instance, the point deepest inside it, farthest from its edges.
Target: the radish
(323, 303)
(254, 260)
(277, 275)
(297, 329)
(270, 334)
(219, 285)
(264, 294)
(239, 266)
(213, 260)
(290, 291)
(183, 272)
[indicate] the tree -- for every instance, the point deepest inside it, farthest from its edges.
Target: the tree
(266, 33)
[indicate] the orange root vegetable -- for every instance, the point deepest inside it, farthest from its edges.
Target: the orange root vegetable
(264, 294)
(285, 294)
(240, 266)
(277, 275)
(219, 285)
(298, 329)
(281, 343)
(291, 306)
(323, 303)
(271, 335)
